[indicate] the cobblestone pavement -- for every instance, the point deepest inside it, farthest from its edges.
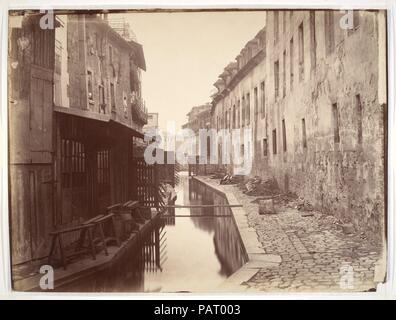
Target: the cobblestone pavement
(316, 254)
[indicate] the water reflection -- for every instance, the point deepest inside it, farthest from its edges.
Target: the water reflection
(226, 238)
(195, 252)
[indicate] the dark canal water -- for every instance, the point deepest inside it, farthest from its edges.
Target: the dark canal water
(191, 250)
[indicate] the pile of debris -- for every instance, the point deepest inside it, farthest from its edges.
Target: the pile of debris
(304, 205)
(257, 187)
(230, 179)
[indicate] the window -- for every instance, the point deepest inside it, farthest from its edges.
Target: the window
(262, 89)
(255, 102)
(208, 142)
(276, 78)
(276, 26)
(313, 38)
(265, 147)
(274, 147)
(329, 31)
(72, 163)
(90, 86)
(247, 112)
(301, 50)
(359, 112)
(102, 105)
(239, 114)
(304, 133)
(112, 97)
(284, 74)
(103, 171)
(125, 105)
(291, 63)
(110, 54)
(243, 111)
(284, 135)
(336, 124)
(234, 117)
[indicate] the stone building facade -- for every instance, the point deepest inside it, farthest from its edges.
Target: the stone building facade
(199, 119)
(318, 124)
(239, 102)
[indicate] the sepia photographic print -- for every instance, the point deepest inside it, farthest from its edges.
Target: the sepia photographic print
(197, 151)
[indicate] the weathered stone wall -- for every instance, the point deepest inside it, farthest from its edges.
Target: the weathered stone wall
(345, 177)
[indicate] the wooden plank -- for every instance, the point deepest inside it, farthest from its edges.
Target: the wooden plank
(200, 216)
(203, 206)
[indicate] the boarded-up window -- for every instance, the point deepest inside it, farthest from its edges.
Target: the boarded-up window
(336, 124)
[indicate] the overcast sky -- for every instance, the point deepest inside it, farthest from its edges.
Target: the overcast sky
(185, 53)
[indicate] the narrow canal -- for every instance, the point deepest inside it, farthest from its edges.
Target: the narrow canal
(189, 250)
